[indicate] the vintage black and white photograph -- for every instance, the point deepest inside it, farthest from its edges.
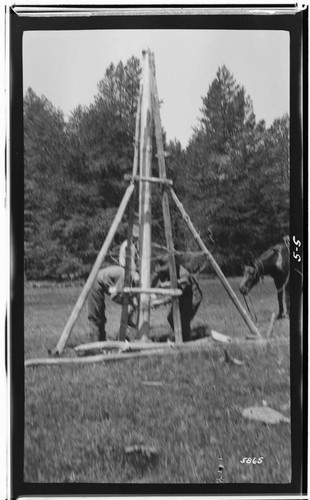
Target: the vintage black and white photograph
(158, 250)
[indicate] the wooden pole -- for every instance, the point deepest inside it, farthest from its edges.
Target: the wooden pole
(200, 345)
(105, 345)
(174, 292)
(127, 278)
(165, 204)
(101, 256)
(215, 266)
(156, 180)
(137, 134)
(145, 195)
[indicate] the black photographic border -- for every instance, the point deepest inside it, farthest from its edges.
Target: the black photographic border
(297, 26)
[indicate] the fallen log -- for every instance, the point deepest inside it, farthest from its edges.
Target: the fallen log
(91, 359)
(83, 349)
(199, 345)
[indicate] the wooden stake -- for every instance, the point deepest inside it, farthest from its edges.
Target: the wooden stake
(215, 266)
(271, 325)
(165, 205)
(145, 195)
(100, 258)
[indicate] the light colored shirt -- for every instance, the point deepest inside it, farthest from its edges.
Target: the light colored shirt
(111, 277)
(122, 257)
(184, 273)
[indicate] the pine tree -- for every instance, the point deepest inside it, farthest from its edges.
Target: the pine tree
(45, 147)
(236, 174)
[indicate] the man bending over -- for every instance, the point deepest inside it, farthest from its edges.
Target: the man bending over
(191, 297)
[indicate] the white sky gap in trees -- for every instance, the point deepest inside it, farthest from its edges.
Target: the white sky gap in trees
(66, 66)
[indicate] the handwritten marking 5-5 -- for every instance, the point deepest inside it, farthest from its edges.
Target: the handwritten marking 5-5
(296, 255)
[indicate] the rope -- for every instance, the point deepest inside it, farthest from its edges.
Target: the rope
(250, 300)
(210, 235)
(114, 259)
(262, 271)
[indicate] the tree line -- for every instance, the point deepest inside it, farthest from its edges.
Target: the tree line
(232, 178)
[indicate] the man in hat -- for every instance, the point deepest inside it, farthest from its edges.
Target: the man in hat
(134, 253)
(134, 265)
(110, 281)
(191, 297)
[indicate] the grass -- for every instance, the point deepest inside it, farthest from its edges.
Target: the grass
(80, 419)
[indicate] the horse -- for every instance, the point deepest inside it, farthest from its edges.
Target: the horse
(274, 262)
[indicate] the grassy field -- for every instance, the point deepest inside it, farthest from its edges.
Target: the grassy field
(79, 419)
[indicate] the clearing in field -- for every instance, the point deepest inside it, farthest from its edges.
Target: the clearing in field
(162, 419)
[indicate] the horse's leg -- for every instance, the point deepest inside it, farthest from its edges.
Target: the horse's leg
(279, 285)
(287, 298)
(280, 302)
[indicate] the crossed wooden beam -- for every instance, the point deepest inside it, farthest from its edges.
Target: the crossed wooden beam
(148, 114)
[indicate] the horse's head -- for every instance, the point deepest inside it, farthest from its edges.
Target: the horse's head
(249, 279)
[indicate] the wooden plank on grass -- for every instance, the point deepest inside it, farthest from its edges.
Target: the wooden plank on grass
(83, 349)
(91, 359)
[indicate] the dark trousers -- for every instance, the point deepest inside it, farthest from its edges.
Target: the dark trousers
(96, 311)
(113, 275)
(188, 302)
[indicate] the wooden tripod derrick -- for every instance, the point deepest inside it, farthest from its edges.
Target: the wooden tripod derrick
(148, 116)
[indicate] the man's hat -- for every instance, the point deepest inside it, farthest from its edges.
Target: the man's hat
(163, 261)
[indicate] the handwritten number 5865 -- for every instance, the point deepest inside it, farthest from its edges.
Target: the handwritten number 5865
(254, 460)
